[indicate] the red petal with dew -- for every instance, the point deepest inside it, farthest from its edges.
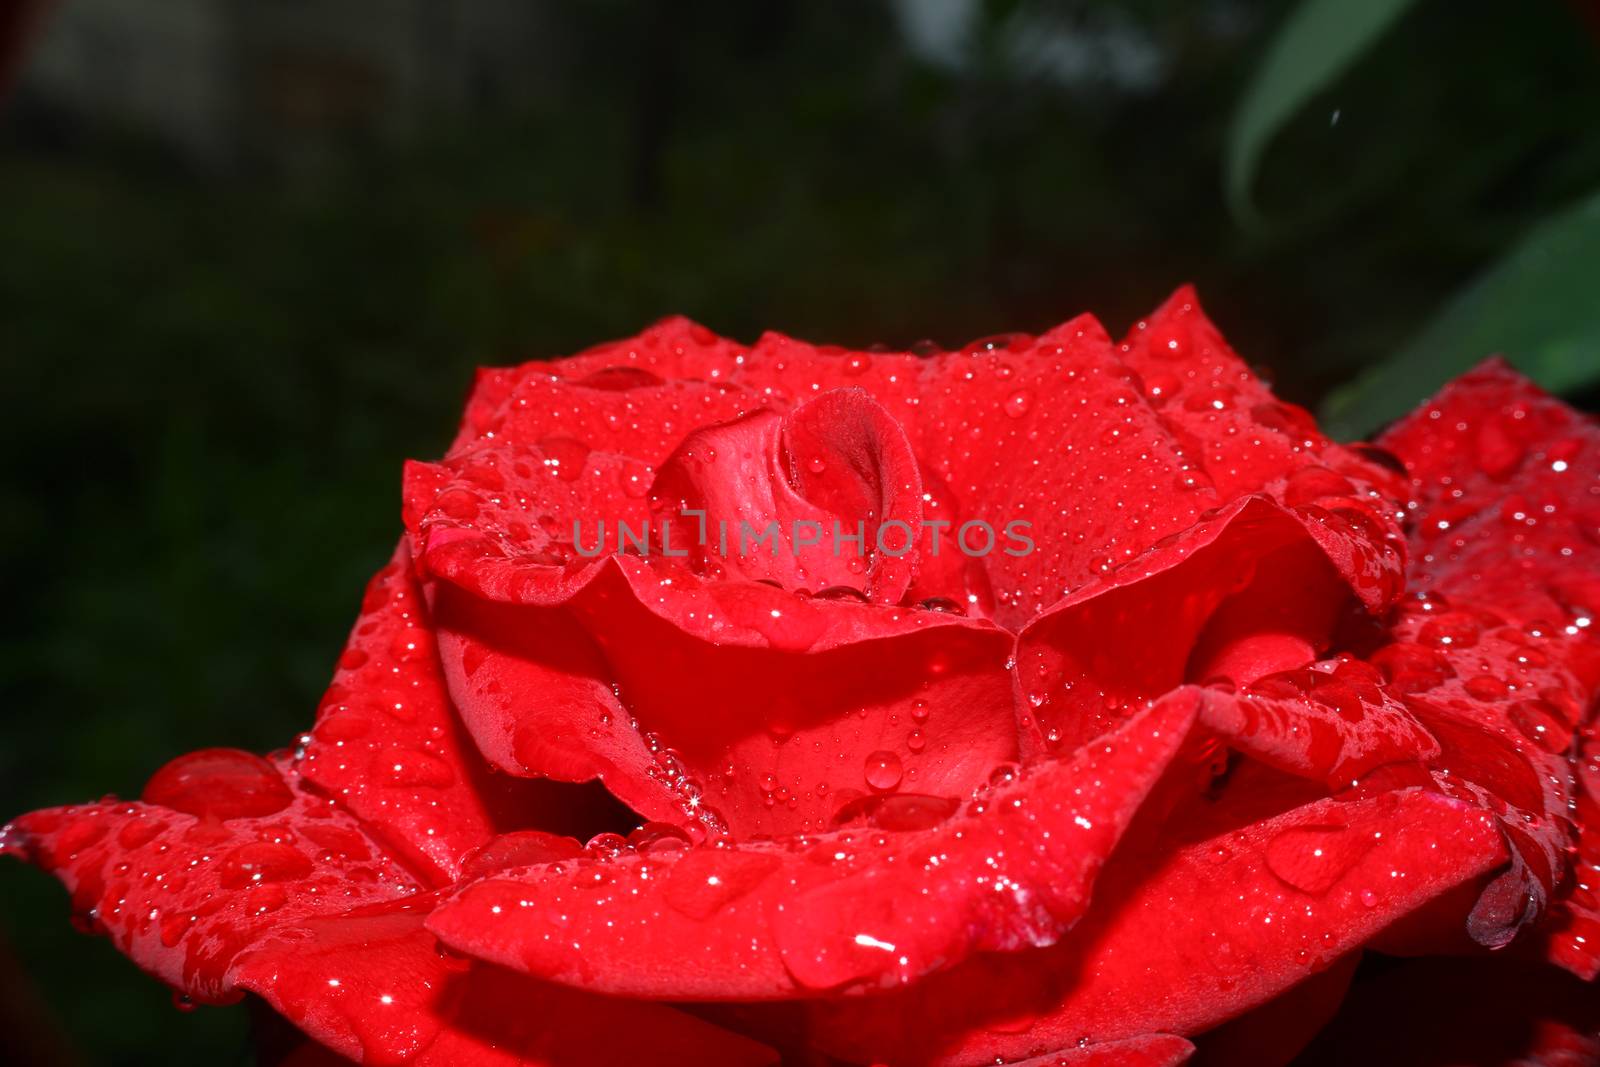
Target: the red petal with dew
(1154, 1050)
(1206, 600)
(387, 742)
(375, 986)
(639, 672)
(225, 847)
(1187, 933)
(1497, 654)
(916, 889)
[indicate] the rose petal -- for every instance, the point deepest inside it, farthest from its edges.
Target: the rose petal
(657, 702)
(1572, 937)
(538, 689)
(1190, 936)
(1244, 438)
(1053, 433)
(1274, 1033)
(1496, 655)
(635, 397)
(673, 347)
(374, 985)
(835, 468)
(850, 909)
(1136, 633)
(183, 891)
(1332, 721)
(1152, 1050)
(386, 742)
(1506, 492)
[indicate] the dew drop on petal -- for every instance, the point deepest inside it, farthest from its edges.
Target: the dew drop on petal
(883, 770)
(220, 783)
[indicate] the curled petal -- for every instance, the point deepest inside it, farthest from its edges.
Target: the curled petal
(638, 671)
(1242, 437)
(1333, 721)
(828, 495)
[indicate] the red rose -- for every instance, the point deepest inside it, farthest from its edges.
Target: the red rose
(886, 655)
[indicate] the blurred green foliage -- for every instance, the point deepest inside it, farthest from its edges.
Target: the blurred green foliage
(1316, 44)
(213, 373)
(1539, 306)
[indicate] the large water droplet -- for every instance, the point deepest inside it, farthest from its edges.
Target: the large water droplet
(564, 457)
(1018, 403)
(706, 880)
(1541, 723)
(522, 848)
(219, 783)
(619, 379)
(906, 812)
(883, 770)
(412, 767)
(262, 861)
(1313, 858)
(655, 837)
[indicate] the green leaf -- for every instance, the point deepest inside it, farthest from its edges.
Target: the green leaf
(1318, 42)
(1539, 307)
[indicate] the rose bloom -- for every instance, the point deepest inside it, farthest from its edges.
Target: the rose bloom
(1254, 705)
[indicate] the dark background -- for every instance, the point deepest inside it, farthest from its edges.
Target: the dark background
(251, 252)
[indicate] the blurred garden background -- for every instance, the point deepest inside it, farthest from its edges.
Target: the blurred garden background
(251, 253)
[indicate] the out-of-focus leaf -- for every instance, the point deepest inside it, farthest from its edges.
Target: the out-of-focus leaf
(1318, 42)
(1539, 307)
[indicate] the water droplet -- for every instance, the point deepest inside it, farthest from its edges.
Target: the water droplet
(1004, 774)
(1018, 403)
(219, 783)
(706, 880)
(896, 812)
(607, 844)
(521, 848)
(1313, 858)
(565, 457)
(637, 478)
(262, 861)
(659, 837)
(412, 767)
(842, 592)
(883, 770)
(1541, 723)
(619, 379)
(1487, 687)
(1451, 630)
